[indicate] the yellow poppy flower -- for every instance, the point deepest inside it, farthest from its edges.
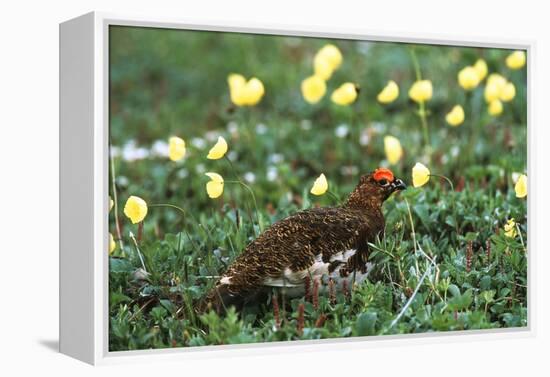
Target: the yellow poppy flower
(135, 209)
(493, 89)
(421, 91)
(516, 60)
(320, 186)
(111, 204)
(331, 54)
(481, 68)
(112, 244)
(176, 148)
(393, 149)
(456, 116)
(236, 84)
(245, 93)
(214, 187)
(521, 186)
(219, 150)
(468, 78)
(322, 67)
(510, 228)
(313, 89)
(420, 175)
(508, 92)
(389, 93)
(345, 94)
(495, 108)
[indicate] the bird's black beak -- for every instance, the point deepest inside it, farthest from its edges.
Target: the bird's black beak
(398, 185)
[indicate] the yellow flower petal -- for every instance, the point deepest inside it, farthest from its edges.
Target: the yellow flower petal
(389, 93)
(516, 60)
(214, 188)
(235, 81)
(521, 186)
(494, 87)
(331, 54)
(245, 93)
(508, 92)
(236, 84)
(393, 149)
(219, 150)
(112, 244)
(420, 175)
(135, 209)
(345, 94)
(313, 89)
(254, 91)
(456, 116)
(495, 108)
(421, 91)
(510, 228)
(176, 148)
(481, 68)
(320, 186)
(111, 204)
(322, 67)
(468, 78)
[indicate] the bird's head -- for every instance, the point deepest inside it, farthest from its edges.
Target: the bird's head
(374, 188)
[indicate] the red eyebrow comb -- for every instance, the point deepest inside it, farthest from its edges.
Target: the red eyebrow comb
(383, 173)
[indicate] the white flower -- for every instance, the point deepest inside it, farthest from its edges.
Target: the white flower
(379, 127)
(114, 151)
(232, 156)
(364, 138)
(455, 150)
(198, 142)
(200, 168)
(306, 124)
(261, 129)
(183, 173)
(122, 181)
(211, 136)
(341, 131)
(160, 148)
(131, 152)
(249, 177)
(275, 158)
(272, 173)
(233, 128)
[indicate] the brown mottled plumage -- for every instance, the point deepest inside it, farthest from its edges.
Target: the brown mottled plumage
(308, 242)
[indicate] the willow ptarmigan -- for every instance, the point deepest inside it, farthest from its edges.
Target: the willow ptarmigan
(316, 243)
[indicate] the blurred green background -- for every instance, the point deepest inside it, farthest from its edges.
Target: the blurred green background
(167, 83)
(171, 82)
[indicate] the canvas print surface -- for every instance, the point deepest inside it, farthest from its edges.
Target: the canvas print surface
(274, 188)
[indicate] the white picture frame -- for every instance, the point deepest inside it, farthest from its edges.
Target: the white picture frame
(84, 192)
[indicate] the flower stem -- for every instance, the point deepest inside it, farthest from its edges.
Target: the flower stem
(165, 205)
(421, 105)
(115, 203)
(138, 252)
(239, 181)
(445, 178)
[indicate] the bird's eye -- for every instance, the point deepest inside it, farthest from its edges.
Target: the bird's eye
(383, 182)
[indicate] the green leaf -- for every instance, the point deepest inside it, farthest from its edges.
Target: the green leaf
(485, 283)
(365, 324)
(453, 289)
